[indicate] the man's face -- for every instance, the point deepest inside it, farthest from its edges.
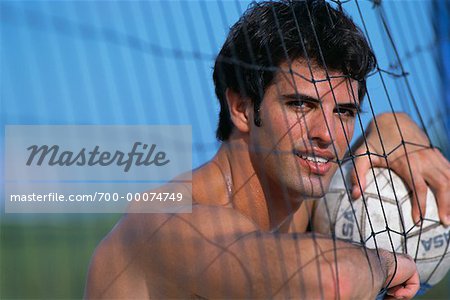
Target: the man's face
(305, 128)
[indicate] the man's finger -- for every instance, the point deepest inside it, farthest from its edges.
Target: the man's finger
(437, 176)
(442, 196)
(407, 290)
(414, 179)
(439, 183)
(419, 189)
(445, 163)
(359, 172)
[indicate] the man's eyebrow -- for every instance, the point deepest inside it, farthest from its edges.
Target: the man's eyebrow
(301, 97)
(350, 105)
(306, 98)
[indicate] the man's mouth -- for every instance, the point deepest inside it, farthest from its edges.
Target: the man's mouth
(316, 159)
(316, 163)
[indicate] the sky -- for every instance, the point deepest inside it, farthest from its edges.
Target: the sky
(150, 62)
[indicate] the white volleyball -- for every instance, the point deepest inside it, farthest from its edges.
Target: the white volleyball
(382, 218)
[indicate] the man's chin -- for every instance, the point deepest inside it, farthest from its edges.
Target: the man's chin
(313, 187)
(316, 192)
(314, 196)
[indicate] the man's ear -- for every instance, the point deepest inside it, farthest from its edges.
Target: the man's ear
(239, 110)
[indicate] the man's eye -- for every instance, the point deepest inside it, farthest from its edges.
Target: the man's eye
(348, 113)
(301, 105)
(296, 104)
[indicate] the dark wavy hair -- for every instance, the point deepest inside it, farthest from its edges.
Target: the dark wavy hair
(272, 32)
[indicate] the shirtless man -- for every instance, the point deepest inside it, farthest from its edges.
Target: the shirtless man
(284, 127)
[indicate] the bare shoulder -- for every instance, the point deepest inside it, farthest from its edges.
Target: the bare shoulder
(207, 220)
(143, 253)
(154, 254)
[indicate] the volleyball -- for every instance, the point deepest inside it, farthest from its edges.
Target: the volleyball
(381, 218)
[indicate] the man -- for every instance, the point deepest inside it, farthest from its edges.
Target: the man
(290, 79)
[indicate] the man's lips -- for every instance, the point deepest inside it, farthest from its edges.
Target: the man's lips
(318, 164)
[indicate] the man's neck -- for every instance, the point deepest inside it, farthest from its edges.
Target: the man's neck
(267, 205)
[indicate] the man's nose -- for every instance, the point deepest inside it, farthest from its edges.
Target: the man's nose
(322, 129)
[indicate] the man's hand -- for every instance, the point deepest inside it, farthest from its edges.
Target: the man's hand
(413, 160)
(402, 280)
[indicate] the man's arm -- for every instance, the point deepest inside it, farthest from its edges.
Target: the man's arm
(217, 253)
(414, 161)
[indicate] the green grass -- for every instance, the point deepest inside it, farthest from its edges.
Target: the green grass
(441, 291)
(48, 258)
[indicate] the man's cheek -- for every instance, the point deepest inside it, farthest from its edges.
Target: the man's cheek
(350, 128)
